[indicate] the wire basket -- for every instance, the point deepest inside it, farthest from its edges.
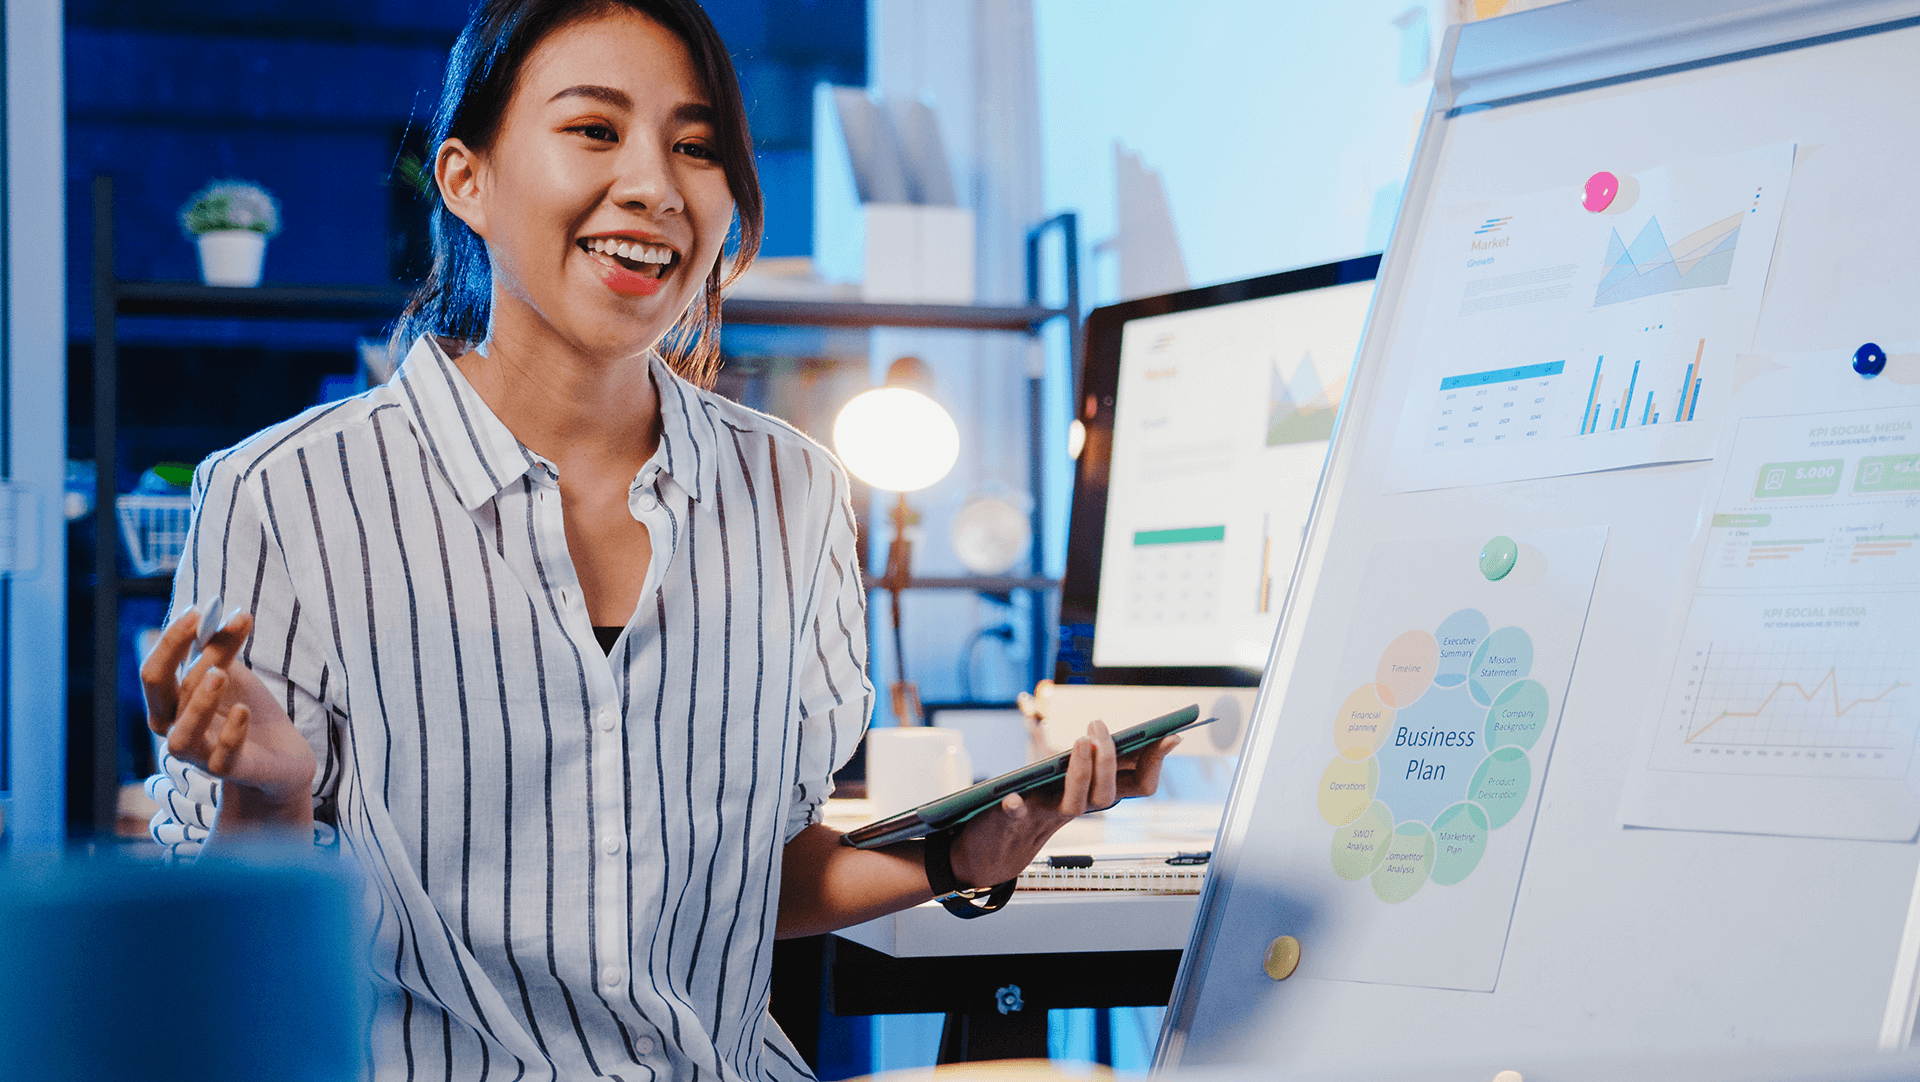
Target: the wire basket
(155, 530)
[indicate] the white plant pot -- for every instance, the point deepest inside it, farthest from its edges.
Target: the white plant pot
(232, 257)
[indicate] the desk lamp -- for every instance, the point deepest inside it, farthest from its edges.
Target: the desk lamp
(895, 437)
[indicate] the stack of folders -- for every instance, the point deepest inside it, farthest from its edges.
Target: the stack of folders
(1180, 874)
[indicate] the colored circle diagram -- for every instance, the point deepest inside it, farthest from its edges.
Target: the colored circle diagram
(1433, 755)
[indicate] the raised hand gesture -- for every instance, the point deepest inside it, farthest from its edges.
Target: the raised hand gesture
(220, 718)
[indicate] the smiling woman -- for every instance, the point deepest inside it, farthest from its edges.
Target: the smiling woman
(455, 300)
(559, 648)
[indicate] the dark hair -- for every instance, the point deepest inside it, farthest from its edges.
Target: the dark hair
(456, 300)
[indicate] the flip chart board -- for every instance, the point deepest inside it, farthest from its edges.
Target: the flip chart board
(1590, 724)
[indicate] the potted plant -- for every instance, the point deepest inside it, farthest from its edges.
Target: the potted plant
(231, 220)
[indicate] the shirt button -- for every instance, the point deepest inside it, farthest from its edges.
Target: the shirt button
(612, 847)
(644, 1046)
(610, 976)
(646, 501)
(606, 721)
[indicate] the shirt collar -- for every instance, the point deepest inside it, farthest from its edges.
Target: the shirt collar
(475, 452)
(689, 437)
(479, 456)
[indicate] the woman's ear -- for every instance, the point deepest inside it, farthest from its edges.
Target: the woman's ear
(457, 170)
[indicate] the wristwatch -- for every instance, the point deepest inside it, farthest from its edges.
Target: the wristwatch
(938, 856)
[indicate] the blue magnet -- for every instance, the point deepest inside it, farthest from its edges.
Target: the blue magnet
(1869, 359)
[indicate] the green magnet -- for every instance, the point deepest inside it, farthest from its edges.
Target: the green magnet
(1497, 557)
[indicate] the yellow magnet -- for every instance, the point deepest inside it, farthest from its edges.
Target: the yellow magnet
(1283, 957)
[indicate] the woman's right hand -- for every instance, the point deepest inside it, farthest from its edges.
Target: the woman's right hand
(221, 719)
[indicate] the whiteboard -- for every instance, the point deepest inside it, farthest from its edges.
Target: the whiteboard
(1727, 934)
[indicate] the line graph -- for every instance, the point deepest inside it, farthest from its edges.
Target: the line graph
(1749, 707)
(1830, 681)
(1650, 265)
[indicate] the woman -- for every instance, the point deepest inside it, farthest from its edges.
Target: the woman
(565, 648)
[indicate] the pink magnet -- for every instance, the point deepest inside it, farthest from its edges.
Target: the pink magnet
(1601, 188)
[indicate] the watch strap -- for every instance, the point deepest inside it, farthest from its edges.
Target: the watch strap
(937, 855)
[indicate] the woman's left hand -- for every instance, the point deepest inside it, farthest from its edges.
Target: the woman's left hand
(998, 845)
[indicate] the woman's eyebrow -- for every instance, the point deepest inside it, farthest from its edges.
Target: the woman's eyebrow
(692, 111)
(608, 94)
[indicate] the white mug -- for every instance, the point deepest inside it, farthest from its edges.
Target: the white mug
(910, 765)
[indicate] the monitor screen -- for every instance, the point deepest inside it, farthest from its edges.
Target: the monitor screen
(1208, 416)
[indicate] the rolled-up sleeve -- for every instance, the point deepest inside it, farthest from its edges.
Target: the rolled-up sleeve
(835, 697)
(232, 551)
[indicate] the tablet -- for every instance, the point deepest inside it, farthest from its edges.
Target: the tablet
(956, 808)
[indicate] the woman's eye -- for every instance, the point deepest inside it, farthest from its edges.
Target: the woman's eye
(597, 132)
(697, 150)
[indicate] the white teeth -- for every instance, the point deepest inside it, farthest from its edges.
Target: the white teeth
(637, 251)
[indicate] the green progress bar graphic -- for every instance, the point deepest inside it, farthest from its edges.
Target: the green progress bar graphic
(1185, 536)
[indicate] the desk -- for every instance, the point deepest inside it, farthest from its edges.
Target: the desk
(997, 977)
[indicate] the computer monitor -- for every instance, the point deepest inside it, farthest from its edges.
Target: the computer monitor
(1208, 414)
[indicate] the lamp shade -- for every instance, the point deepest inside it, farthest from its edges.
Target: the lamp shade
(896, 439)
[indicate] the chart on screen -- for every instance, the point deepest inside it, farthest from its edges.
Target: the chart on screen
(1221, 425)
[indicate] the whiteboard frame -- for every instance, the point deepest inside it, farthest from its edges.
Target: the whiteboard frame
(1559, 49)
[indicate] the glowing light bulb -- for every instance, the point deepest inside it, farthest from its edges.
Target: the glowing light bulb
(896, 439)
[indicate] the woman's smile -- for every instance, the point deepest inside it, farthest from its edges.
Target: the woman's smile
(634, 266)
(602, 199)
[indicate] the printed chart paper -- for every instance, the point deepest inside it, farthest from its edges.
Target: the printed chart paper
(1791, 708)
(1417, 830)
(1559, 340)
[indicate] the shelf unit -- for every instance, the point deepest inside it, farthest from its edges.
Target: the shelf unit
(375, 306)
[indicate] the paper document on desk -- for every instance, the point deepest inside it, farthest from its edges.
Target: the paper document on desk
(1129, 846)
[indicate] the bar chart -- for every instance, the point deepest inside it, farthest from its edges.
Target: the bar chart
(1620, 413)
(1554, 399)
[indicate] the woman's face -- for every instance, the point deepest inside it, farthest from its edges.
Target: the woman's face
(602, 200)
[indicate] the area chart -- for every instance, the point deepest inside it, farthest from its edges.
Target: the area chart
(1649, 265)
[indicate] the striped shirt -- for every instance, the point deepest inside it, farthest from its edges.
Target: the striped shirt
(572, 857)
